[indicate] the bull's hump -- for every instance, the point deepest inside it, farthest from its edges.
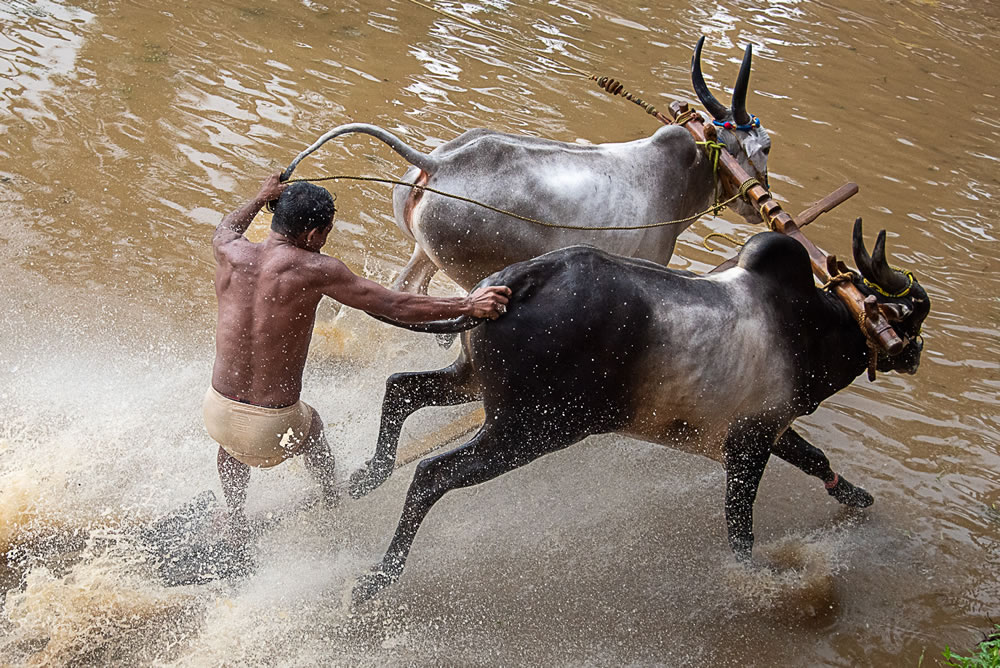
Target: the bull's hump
(779, 258)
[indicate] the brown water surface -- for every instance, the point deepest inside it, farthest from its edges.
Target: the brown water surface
(128, 129)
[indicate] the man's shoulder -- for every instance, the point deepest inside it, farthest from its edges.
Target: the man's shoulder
(225, 240)
(304, 265)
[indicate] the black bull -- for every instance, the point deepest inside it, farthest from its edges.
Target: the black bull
(718, 365)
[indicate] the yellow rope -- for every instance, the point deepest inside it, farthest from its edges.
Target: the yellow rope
(714, 149)
(686, 116)
(526, 218)
(839, 278)
(905, 291)
(721, 235)
(771, 225)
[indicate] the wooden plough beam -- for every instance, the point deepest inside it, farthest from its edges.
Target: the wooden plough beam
(874, 323)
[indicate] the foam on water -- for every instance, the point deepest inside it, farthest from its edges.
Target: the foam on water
(108, 605)
(796, 578)
(106, 436)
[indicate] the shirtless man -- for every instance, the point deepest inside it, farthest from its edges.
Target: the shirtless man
(268, 293)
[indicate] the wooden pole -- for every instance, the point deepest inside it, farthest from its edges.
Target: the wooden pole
(874, 323)
(837, 197)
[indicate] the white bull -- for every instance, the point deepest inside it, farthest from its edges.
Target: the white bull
(664, 177)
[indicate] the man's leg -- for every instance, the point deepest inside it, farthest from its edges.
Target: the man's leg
(319, 460)
(234, 476)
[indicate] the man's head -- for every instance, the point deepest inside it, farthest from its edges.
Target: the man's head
(301, 208)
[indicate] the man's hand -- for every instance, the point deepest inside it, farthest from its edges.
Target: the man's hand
(489, 302)
(236, 223)
(271, 188)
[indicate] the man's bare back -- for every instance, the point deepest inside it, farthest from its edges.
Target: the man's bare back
(268, 293)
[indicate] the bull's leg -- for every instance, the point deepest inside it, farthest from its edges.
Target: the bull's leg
(746, 456)
(802, 454)
(415, 278)
(417, 273)
(406, 393)
(486, 456)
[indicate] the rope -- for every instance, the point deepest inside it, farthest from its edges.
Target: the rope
(873, 346)
(686, 116)
(721, 235)
(714, 149)
(771, 225)
(905, 291)
(839, 278)
(526, 218)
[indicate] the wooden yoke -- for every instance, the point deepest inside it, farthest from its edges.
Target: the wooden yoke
(873, 323)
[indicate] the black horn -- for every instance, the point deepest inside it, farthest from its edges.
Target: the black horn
(739, 105)
(713, 106)
(861, 256)
(891, 280)
(875, 268)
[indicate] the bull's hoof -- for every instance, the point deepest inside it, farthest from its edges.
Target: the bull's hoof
(372, 583)
(366, 479)
(850, 495)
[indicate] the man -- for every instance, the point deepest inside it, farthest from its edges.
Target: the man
(268, 293)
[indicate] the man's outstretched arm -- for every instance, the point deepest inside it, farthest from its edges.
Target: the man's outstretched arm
(234, 224)
(348, 288)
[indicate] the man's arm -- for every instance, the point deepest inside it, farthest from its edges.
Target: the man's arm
(348, 288)
(234, 224)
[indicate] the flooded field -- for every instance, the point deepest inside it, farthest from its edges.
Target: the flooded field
(128, 129)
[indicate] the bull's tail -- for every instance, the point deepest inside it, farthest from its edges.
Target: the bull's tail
(451, 326)
(411, 155)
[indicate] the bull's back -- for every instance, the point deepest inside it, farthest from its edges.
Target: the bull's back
(612, 344)
(557, 186)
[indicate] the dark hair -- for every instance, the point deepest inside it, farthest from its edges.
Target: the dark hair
(302, 207)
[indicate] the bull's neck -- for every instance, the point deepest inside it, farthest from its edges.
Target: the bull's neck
(840, 354)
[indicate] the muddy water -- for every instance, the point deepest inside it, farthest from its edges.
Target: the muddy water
(127, 130)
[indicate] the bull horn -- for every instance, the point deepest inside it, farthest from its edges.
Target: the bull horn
(713, 106)
(889, 279)
(861, 257)
(739, 105)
